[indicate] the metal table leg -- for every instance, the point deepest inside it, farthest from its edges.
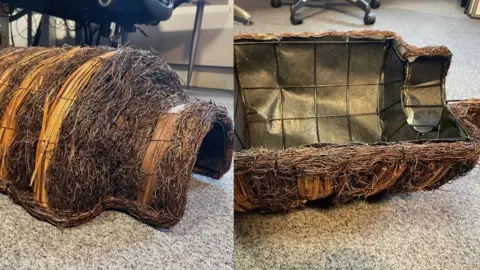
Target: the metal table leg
(29, 29)
(196, 35)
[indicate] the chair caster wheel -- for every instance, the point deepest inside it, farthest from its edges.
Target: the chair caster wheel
(248, 23)
(296, 19)
(374, 3)
(276, 3)
(369, 19)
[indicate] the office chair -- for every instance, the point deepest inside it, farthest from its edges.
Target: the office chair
(297, 18)
(124, 13)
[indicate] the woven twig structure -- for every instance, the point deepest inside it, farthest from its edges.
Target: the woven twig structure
(467, 111)
(84, 130)
(339, 116)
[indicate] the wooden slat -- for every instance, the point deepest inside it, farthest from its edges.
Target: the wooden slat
(156, 150)
(243, 195)
(30, 84)
(440, 172)
(5, 78)
(54, 114)
(314, 187)
(10, 54)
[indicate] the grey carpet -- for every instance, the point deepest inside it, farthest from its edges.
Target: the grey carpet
(428, 230)
(203, 239)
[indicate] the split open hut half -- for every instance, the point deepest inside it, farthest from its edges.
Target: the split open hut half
(84, 130)
(339, 116)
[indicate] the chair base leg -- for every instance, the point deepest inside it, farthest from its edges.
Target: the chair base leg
(242, 16)
(298, 5)
(369, 17)
(296, 18)
(374, 4)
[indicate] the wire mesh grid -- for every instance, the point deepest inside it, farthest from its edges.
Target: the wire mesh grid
(305, 92)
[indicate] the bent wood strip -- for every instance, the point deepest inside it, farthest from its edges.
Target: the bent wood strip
(386, 178)
(438, 174)
(5, 78)
(10, 53)
(54, 115)
(30, 84)
(314, 188)
(156, 150)
(242, 195)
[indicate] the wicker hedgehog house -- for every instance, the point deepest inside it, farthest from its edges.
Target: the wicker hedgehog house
(344, 115)
(85, 130)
